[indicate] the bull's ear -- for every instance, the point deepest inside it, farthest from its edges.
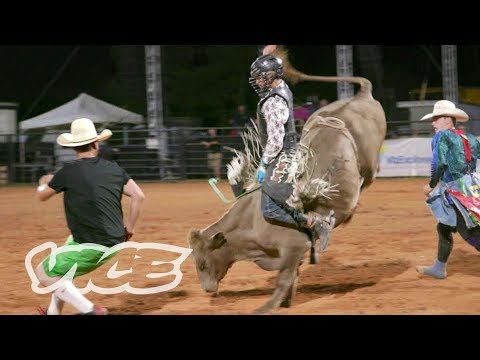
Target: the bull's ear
(217, 241)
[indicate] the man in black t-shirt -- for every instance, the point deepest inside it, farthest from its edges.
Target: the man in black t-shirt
(93, 189)
(214, 153)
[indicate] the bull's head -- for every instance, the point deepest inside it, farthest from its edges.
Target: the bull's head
(210, 264)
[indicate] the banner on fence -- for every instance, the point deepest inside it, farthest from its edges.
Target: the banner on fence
(405, 157)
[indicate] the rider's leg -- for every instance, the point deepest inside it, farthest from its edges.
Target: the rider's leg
(274, 213)
(321, 226)
(287, 216)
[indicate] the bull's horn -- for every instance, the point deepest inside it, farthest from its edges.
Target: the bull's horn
(194, 236)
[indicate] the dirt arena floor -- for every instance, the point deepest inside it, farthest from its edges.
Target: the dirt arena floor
(368, 268)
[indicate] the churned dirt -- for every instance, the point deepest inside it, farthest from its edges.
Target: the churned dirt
(368, 268)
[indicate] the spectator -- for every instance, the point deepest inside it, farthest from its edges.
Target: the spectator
(312, 104)
(239, 120)
(322, 103)
(214, 153)
(300, 114)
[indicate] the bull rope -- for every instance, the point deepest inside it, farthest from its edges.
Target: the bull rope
(334, 123)
(213, 183)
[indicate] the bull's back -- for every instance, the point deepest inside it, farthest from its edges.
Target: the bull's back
(365, 119)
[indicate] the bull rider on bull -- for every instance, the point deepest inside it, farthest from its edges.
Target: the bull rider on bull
(278, 138)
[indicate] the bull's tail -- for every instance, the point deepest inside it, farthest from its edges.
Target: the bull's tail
(295, 76)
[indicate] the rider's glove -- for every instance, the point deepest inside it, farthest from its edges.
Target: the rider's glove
(261, 172)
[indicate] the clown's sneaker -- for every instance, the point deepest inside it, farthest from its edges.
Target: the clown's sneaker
(431, 271)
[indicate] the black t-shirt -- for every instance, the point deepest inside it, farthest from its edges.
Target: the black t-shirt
(240, 120)
(93, 189)
(214, 148)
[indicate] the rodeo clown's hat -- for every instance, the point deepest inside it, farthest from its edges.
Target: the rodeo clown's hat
(82, 132)
(446, 108)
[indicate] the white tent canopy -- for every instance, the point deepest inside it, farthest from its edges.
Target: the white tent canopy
(100, 112)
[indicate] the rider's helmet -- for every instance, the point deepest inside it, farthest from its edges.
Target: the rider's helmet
(267, 68)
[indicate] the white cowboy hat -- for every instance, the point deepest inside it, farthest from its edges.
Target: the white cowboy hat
(82, 132)
(446, 108)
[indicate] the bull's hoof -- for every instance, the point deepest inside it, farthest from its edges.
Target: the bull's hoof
(286, 303)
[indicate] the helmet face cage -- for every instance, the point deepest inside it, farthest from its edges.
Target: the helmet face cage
(267, 68)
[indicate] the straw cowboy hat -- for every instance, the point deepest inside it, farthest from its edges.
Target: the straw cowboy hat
(446, 108)
(82, 132)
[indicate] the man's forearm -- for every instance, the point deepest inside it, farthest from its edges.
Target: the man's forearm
(435, 175)
(44, 192)
(134, 212)
(271, 152)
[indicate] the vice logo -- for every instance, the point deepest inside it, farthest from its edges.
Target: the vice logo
(112, 273)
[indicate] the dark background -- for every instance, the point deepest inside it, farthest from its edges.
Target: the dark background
(209, 81)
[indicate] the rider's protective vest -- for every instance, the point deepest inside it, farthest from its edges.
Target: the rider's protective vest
(275, 183)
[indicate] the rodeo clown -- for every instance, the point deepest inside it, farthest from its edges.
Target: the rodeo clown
(278, 138)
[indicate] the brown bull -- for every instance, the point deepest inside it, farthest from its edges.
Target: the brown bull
(243, 234)
(345, 138)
